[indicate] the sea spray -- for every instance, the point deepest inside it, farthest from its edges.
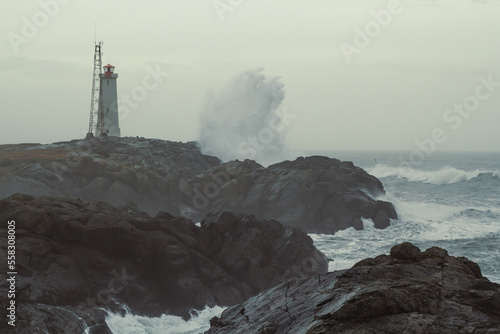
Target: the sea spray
(247, 120)
(166, 324)
(445, 175)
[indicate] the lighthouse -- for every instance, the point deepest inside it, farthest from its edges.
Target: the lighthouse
(109, 102)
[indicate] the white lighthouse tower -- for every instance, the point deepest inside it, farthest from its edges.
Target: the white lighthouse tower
(109, 102)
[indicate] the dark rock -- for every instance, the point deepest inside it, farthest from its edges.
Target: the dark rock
(405, 251)
(5, 162)
(316, 194)
(215, 322)
(41, 318)
(387, 294)
(111, 169)
(76, 257)
(246, 248)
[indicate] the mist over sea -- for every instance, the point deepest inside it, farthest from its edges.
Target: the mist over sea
(452, 200)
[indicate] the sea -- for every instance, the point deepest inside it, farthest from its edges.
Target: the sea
(445, 199)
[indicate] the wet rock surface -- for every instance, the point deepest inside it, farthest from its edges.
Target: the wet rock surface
(112, 169)
(75, 257)
(408, 291)
(317, 194)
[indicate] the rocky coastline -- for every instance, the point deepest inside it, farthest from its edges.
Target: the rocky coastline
(316, 194)
(75, 258)
(408, 291)
(159, 227)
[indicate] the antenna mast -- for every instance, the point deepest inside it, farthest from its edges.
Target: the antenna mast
(96, 121)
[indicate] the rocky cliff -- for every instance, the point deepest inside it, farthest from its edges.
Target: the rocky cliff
(75, 257)
(408, 291)
(317, 194)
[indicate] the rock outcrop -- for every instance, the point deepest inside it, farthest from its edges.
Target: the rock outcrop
(317, 194)
(408, 291)
(74, 257)
(114, 170)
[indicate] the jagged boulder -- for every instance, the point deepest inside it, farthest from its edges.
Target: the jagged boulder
(408, 291)
(316, 194)
(111, 169)
(74, 257)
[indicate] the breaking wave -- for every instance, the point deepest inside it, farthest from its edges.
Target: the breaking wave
(167, 324)
(246, 120)
(446, 175)
(462, 231)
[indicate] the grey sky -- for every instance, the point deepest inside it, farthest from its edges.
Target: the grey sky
(393, 92)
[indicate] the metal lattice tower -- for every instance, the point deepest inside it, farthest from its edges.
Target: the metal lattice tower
(96, 121)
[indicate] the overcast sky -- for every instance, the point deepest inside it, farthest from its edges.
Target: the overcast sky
(383, 91)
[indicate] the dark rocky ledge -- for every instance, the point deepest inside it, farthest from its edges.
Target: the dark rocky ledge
(408, 291)
(75, 257)
(316, 194)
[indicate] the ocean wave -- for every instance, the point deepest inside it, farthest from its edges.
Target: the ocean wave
(446, 175)
(475, 213)
(464, 230)
(168, 324)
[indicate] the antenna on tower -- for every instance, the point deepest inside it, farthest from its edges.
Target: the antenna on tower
(96, 121)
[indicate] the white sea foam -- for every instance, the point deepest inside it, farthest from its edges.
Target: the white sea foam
(166, 324)
(367, 223)
(445, 175)
(424, 224)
